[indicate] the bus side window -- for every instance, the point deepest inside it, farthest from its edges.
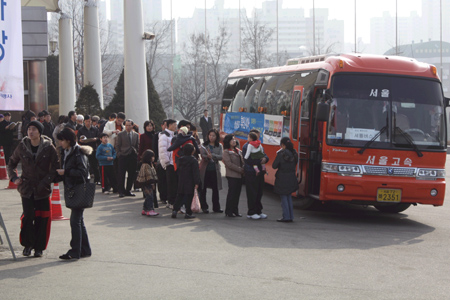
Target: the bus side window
(252, 95)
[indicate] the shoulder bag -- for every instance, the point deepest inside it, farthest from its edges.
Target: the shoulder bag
(80, 196)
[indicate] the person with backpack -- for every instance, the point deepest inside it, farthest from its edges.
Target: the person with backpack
(179, 141)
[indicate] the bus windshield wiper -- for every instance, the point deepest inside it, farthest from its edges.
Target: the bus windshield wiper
(361, 151)
(408, 139)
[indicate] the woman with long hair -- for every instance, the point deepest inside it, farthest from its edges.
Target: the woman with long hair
(211, 153)
(234, 166)
(75, 171)
(146, 143)
(285, 179)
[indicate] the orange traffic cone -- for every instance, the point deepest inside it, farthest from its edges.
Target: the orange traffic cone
(11, 184)
(3, 174)
(56, 204)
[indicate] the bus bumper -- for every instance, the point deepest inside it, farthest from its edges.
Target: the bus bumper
(366, 188)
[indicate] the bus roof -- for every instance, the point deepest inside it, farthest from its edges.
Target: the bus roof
(360, 63)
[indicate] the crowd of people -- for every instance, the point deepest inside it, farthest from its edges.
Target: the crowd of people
(110, 153)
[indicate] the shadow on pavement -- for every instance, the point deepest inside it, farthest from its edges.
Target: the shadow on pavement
(332, 226)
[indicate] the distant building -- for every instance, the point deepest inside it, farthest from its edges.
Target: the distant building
(428, 52)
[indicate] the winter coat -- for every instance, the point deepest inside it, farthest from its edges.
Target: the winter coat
(49, 127)
(76, 166)
(285, 179)
(145, 143)
(165, 156)
(188, 175)
(103, 152)
(250, 162)
(234, 163)
(217, 153)
(177, 145)
(37, 174)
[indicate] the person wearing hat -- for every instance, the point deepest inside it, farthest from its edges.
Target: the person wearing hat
(6, 134)
(39, 161)
(49, 126)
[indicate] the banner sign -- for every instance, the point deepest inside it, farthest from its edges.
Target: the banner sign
(11, 57)
(240, 123)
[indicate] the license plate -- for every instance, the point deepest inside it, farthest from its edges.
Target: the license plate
(385, 195)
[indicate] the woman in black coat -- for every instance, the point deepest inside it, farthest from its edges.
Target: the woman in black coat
(75, 170)
(285, 179)
(188, 181)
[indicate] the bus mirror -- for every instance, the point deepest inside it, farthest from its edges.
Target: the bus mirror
(447, 101)
(322, 111)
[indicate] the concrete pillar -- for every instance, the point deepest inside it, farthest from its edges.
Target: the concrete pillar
(92, 53)
(67, 92)
(136, 98)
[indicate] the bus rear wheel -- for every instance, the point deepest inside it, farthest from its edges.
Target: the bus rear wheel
(393, 208)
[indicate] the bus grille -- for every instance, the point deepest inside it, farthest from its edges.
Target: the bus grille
(389, 171)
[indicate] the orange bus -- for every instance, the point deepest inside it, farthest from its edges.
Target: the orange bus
(369, 130)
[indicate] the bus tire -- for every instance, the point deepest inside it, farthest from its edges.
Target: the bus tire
(305, 203)
(393, 208)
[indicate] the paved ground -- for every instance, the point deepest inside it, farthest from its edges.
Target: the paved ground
(334, 253)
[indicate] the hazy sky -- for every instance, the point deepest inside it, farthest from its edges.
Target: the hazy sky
(338, 9)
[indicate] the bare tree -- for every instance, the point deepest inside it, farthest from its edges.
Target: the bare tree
(256, 39)
(218, 69)
(322, 48)
(110, 67)
(189, 87)
(157, 48)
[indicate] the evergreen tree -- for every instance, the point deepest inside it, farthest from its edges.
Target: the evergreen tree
(53, 79)
(117, 103)
(155, 109)
(88, 102)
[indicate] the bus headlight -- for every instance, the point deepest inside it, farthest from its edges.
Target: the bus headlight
(341, 169)
(431, 173)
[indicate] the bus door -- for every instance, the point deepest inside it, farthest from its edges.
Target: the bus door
(295, 131)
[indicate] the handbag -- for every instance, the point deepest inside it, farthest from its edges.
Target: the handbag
(195, 206)
(80, 196)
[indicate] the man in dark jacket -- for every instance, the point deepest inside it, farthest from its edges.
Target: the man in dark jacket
(205, 124)
(6, 134)
(49, 126)
(39, 163)
(72, 124)
(127, 145)
(88, 135)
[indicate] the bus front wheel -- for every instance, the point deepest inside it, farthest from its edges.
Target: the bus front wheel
(393, 208)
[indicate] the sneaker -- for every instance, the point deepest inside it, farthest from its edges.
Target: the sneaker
(254, 217)
(106, 193)
(144, 212)
(263, 216)
(152, 213)
(182, 210)
(174, 214)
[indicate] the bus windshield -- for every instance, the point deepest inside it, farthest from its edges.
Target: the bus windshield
(390, 111)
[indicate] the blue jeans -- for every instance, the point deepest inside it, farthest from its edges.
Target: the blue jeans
(286, 204)
(80, 242)
(148, 202)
